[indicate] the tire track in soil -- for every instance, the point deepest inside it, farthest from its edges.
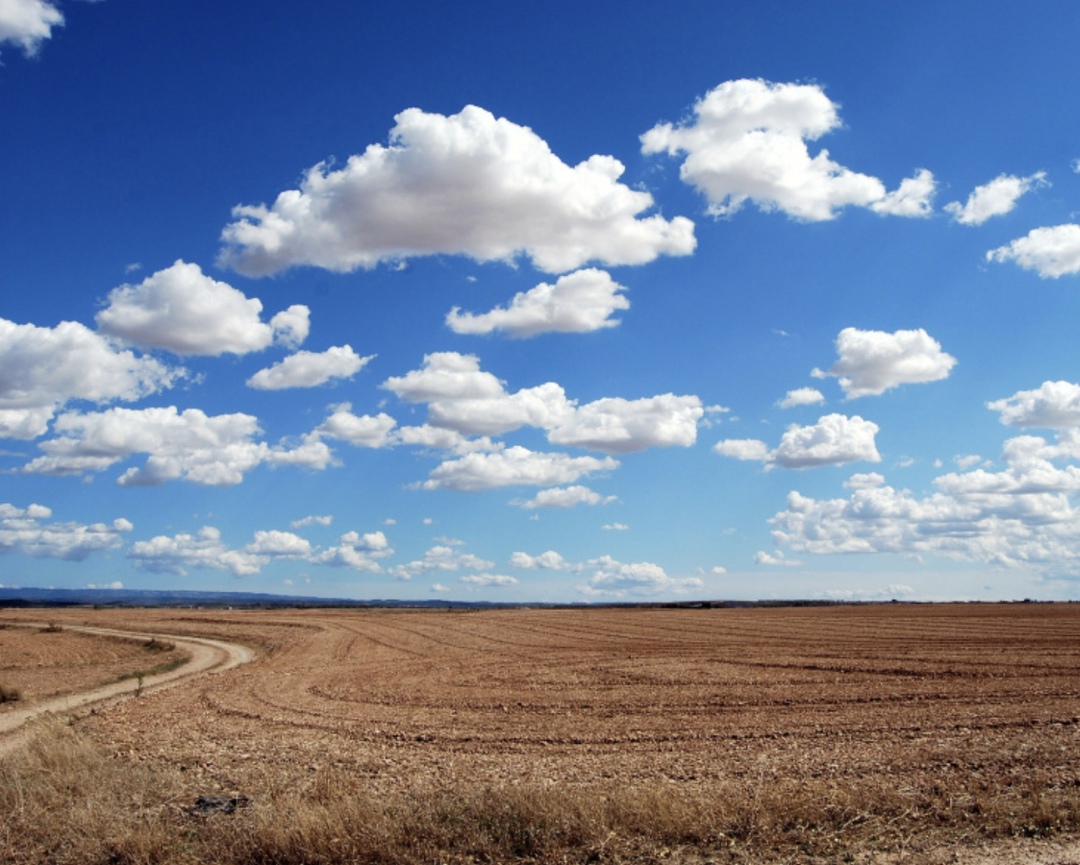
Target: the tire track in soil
(206, 656)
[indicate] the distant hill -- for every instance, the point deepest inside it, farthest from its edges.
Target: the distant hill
(30, 597)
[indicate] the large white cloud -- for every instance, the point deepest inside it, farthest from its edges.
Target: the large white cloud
(747, 142)
(1050, 252)
(310, 369)
(447, 375)
(995, 198)
(462, 397)
(834, 440)
(28, 23)
(205, 549)
(469, 184)
(184, 311)
(616, 425)
(873, 361)
(42, 368)
(29, 531)
(618, 579)
(515, 466)
(214, 450)
(1054, 405)
(579, 302)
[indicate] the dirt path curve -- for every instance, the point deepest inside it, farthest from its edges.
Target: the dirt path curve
(207, 656)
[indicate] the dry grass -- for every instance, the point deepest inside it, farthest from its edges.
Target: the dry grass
(9, 694)
(65, 801)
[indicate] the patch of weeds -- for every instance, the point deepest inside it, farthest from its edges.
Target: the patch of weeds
(52, 628)
(157, 670)
(9, 694)
(156, 645)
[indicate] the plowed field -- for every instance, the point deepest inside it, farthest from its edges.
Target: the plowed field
(40, 663)
(955, 708)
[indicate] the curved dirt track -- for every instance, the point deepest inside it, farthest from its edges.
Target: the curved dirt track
(206, 656)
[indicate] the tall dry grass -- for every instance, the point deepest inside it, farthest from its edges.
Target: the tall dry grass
(62, 800)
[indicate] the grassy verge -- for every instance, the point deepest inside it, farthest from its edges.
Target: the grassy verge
(65, 801)
(157, 647)
(156, 670)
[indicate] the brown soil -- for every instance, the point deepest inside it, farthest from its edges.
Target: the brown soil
(972, 704)
(40, 662)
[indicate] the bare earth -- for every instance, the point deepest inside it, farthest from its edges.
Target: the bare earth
(982, 698)
(58, 670)
(42, 663)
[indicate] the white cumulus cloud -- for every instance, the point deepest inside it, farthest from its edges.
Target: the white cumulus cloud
(205, 549)
(618, 579)
(42, 369)
(834, 440)
(801, 396)
(488, 580)
(621, 426)
(310, 369)
(462, 397)
(1054, 405)
(358, 552)
(367, 431)
(31, 532)
(184, 311)
(1024, 515)
(213, 450)
(550, 561)
(748, 141)
(469, 184)
(274, 543)
(748, 450)
(579, 302)
(28, 23)
(995, 198)
(313, 520)
(515, 466)
(775, 559)
(441, 559)
(873, 361)
(1050, 252)
(565, 497)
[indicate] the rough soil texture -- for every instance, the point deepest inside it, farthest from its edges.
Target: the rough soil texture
(978, 698)
(62, 670)
(42, 663)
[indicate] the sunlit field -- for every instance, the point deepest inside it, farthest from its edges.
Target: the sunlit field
(819, 734)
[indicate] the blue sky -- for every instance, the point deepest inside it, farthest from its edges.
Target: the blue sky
(551, 302)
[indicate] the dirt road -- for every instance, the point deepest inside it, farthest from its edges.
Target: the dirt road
(207, 656)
